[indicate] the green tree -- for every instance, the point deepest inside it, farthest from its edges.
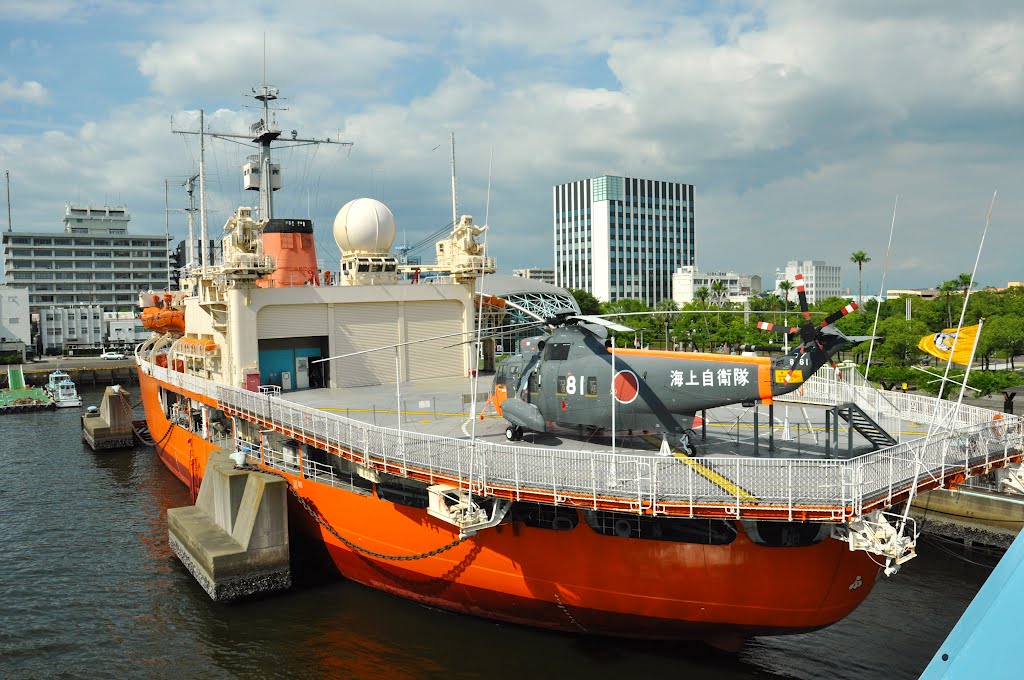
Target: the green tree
(719, 292)
(703, 294)
(899, 347)
(860, 258)
(666, 318)
(1004, 336)
(965, 282)
(786, 286)
(947, 288)
(587, 302)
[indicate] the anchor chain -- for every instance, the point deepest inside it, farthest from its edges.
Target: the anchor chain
(358, 548)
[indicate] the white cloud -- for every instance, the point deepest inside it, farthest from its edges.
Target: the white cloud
(28, 92)
(798, 123)
(213, 58)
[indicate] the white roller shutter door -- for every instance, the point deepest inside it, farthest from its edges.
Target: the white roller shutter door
(360, 327)
(291, 321)
(435, 358)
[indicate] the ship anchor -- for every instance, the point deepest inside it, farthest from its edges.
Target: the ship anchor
(873, 533)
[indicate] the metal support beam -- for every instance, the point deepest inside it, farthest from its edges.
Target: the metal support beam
(756, 432)
(849, 434)
(828, 432)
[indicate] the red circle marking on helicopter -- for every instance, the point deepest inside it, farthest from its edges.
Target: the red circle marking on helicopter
(627, 386)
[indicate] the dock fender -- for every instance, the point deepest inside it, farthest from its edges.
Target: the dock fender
(521, 414)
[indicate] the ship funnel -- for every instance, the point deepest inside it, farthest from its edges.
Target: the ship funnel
(290, 243)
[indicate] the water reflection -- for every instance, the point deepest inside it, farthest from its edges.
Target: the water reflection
(91, 589)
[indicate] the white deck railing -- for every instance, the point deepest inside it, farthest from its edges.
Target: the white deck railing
(837, 489)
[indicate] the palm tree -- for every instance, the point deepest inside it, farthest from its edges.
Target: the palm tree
(947, 288)
(703, 294)
(785, 286)
(860, 258)
(719, 293)
(964, 281)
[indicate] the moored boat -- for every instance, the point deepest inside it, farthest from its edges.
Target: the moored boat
(62, 389)
(615, 541)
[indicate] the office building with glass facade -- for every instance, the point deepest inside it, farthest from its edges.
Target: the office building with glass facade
(622, 237)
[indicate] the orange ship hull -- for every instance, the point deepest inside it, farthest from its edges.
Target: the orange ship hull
(576, 580)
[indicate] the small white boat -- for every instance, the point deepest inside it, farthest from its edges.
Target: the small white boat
(62, 389)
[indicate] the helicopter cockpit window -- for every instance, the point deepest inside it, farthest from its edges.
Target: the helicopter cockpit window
(558, 351)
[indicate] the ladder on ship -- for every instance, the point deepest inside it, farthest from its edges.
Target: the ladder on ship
(865, 425)
(141, 430)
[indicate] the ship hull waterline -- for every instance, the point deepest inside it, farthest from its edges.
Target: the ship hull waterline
(577, 581)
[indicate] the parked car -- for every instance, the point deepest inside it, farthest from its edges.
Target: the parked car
(113, 355)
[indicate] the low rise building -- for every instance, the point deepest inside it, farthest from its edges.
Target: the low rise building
(123, 329)
(923, 293)
(64, 327)
(688, 280)
(536, 274)
(15, 321)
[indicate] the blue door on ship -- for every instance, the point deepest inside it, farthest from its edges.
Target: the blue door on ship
(291, 367)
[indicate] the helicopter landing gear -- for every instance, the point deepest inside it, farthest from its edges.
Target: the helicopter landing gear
(688, 443)
(513, 433)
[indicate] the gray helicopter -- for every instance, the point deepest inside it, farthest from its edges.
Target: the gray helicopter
(563, 379)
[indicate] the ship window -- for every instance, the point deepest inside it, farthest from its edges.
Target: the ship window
(542, 516)
(328, 468)
(679, 530)
(786, 534)
(403, 494)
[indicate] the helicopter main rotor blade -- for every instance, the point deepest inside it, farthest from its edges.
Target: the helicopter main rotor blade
(603, 322)
(801, 295)
(839, 314)
(772, 328)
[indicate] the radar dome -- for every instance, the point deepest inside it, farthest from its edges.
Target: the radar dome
(364, 225)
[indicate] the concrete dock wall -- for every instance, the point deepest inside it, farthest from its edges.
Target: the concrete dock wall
(234, 540)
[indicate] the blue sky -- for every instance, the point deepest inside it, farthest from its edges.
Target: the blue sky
(798, 122)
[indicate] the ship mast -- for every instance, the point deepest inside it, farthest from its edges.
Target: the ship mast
(7, 173)
(263, 133)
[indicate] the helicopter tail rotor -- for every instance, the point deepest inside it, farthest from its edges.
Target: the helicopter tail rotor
(811, 335)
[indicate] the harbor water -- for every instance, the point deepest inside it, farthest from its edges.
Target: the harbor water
(91, 590)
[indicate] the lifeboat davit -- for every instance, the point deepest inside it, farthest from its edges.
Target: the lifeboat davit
(290, 243)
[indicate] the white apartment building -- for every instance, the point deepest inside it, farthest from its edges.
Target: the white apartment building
(622, 237)
(15, 319)
(61, 327)
(93, 262)
(536, 274)
(820, 280)
(686, 281)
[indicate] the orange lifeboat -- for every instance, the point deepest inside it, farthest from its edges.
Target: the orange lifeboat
(290, 243)
(163, 320)
(197, 344)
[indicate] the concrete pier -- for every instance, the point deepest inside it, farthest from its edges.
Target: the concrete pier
(972, 516)
(110, 427)
(234, 540)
